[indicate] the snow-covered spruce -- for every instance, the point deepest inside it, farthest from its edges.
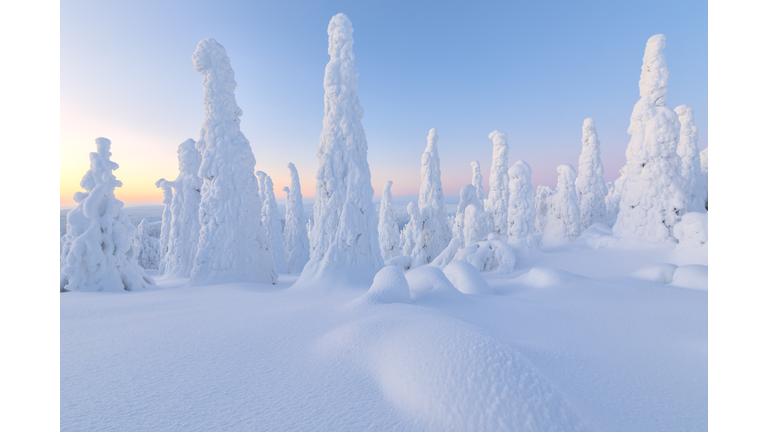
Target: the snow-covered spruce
(389, 232)
(471, 223)
(270, 218)
(261, 178)
(296, 237)
(590, 186)
(148, 247)
(230, 247)
(437, 232)
(692, 229)
(185, 213)
(563, 216)
(498, 195)
(522, 211)
(477, 180)
(653, 198)
(704, 156)
(613, 199)
(98, 252)
(415, 245)
(165, 227)
(344, 246)
(688, 150)
(541, 202)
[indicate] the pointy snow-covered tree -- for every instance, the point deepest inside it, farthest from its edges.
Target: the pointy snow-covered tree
(498, 195)
(389, 232)
(296, 237)
(613, 198)
(437, 233)
(688, 150)
(270, 218)
(522, 210)
(344, 245)
(563, 217)
(185, 213)
(165, 227)
(98, 253)
(704, 156)
(653, 199)
(472, 223)
(477, 180)
(542, 207)
(590, 186)
(148, 247)
(230, 247)
(261, 177)
(415, 245)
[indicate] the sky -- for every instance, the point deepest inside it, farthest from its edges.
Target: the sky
(534, 70)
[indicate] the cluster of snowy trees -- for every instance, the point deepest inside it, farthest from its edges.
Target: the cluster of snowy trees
(221, 222)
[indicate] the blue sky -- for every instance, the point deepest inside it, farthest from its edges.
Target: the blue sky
(533, 70)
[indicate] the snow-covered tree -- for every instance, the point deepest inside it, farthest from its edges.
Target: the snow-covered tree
(296, 237)
(165, 227)
(389, 232)
(522, 210)
(613, 199)
(148, 247)
(472, 223)
(98, 253)
(230, 247)
(437, 233)
(270, 218)
(704, 156)
(542, 207)
(498, 195)
(477, 180)
(653, 198)
(261, 177)
(692, 229)
(563, 216)
(344, 245)
(415, 245)
(590, 186)
(688, 150)
(185, 213)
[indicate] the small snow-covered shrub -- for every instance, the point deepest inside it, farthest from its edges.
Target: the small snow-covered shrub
(489, 255)
(692, 229)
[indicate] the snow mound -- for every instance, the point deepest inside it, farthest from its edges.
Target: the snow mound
(447, 254)
(466, 278)
(428, 281)
(403, 262)
(544, 277)
(598, 236)
(389, 286)
(659, 273)
(489, 255)
(691, 276)
(692, 229)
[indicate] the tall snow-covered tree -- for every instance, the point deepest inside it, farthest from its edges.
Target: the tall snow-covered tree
(230, 247)
(472, 223)
(296, 237)
(415, 245)
(389, 232)
(498, 195)
(563, 217)
(522, 210)
(261, 177)
(271, 220)
(148, 247)
(704, 156)
(477, 180)
(541, 202)
(344, 246)
(688, 150)
(165, 226)
(437, 233)
(590, 186)
(98, 252)
(185, 213)
(653, 199)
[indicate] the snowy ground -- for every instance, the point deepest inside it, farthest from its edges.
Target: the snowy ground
(574, 339)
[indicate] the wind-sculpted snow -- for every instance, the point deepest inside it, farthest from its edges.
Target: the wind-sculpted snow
(563, 216)
(271, 220)
(165, 228)
(653, 196)
(522, 210)
(430, 283)
(467, 278)
(415, 245)
(477, 180)
(296, 237)
(692, 229)
(437, 232)
(230, 247)
(389, 286)
(590, 186)
(98, 252)
(695, 276)
(389, 232)
(541, 202)
(498, 196)
(344, 233)
(688, 150)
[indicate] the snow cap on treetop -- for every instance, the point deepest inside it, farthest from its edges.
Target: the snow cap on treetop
(655, 75)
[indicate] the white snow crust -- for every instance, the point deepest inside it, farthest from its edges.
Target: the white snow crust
(497, 203)
(590, 186)
(296, 236)
(437, 232)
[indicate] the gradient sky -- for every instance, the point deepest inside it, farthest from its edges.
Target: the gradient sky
(534, 70)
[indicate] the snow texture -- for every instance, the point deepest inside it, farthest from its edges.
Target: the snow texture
(653, 196)
(477, 180)
(541, 202)
(467, 278)
(415, 246)
(563, 216)
(98, 252)
(296, 236)
(489, 255)
(658, 273)
(590, 186)
(389, 286)
(471, 223)
(498, 195)
(688, 150)
(271, 221)
(185, 213)
(230, 247)
(522, 210)
(344, 233)
(389, 232)
(165, 228)
(692, 229)
(148, 247)
(437, 232)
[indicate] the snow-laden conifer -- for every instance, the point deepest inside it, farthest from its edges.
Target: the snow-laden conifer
(497, 203)
(296, 237)
(472, 223)
(477, 180)
(415, 245)
(389, 232)
(563, 216)
(148, 247)
(261, 178)
(99, 253)
(688, 150)
(230, 247)
(185, 213)
(344, 245)
(437, 233)
(271, 220)
(590, 186)
(653, 198)
(522, 210)
(704, 156)
(542, 207)
(165, 226)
